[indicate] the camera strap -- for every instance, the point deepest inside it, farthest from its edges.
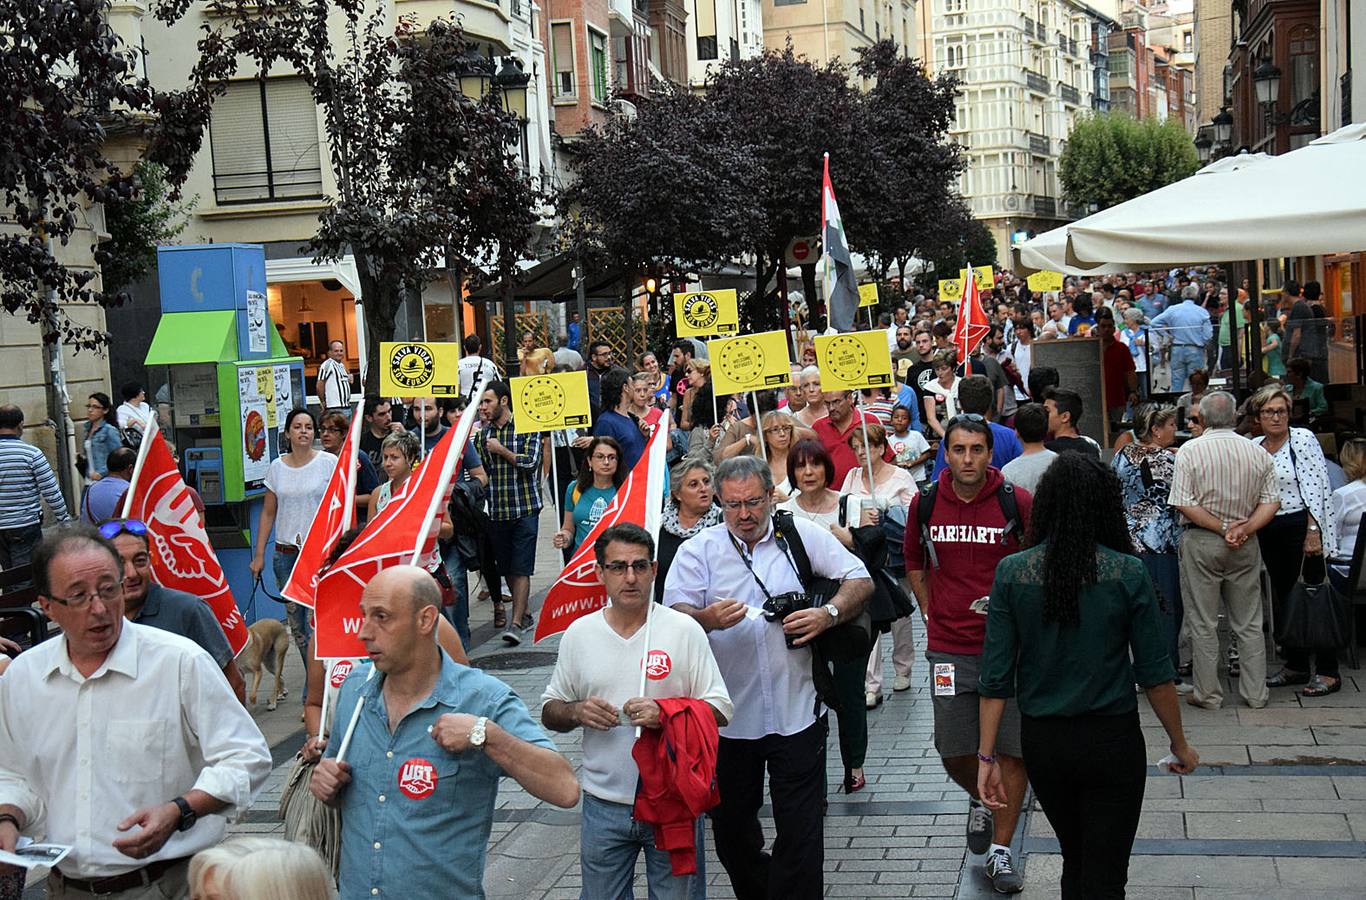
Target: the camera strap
(739, 548)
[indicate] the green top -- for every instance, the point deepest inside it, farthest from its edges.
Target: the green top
(1080, 670)
(1235, 312)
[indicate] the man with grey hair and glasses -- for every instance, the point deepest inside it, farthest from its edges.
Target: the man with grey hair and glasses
(723, 577)
(1225, 488)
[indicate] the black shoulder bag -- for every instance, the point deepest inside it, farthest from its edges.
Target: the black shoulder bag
(846, 641)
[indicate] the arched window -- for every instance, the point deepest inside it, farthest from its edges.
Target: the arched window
(1304, 63)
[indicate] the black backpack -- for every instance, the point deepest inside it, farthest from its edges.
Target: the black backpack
(1010, 509)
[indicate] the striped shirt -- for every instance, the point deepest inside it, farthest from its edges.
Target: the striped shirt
(1225, 474)
(25, 477)
(514, 487)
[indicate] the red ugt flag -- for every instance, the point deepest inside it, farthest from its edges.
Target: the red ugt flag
(335, 515)
(404, 532)
(182, 558)
(578, 592)
(973, 324)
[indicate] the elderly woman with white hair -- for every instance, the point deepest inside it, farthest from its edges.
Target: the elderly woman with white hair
(260, 868)
(1134, 335)
(810, 381)
(690, 508)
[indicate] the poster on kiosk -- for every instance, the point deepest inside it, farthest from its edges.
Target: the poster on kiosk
(229, 384)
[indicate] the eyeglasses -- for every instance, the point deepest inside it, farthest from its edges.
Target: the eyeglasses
(1194, 420)
(751, 503)
(107, 593)
(773, 428)
(115, 527)
(604, 457)
(328, 429)
(1277, 413)
(619, 567)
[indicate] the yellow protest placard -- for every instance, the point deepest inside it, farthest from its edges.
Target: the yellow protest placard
(1045, 280)
(950, 289)
(985, 279)
(854, 361)
(703, 313)
(867, 295)
(550, 402)
(418, 369)
(750, 362)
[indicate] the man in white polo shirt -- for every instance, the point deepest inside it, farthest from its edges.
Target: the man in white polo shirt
(596, 684)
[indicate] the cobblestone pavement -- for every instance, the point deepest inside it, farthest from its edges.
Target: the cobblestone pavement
(1278, 810)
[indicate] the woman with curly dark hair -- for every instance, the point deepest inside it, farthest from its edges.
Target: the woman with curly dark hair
(1064, 619)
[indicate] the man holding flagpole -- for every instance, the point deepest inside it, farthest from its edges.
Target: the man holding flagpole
(595, 686)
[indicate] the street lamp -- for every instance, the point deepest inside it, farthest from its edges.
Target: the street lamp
(1203, 144)
(1223, 127)
(475, 75)
(1267, 80)
(511, 83)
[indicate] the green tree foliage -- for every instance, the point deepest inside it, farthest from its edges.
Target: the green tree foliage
(424, 175)
(67, 86)
(963, 241)
(1111, 157)
(138, 226)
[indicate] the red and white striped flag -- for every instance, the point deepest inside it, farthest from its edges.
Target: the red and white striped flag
(335, 515)
(578, 591)
(182, 558)
(404, 532)
(973, 324)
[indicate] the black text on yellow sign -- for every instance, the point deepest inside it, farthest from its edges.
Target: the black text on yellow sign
(550, 402)
(854, 361)
(419, 369)
(750, 362)
(704, 313)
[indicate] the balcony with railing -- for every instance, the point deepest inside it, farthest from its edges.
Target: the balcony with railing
(1037, 82)
(1069, 94)
(1039, 143)
(1031, 27)
(1045, 207)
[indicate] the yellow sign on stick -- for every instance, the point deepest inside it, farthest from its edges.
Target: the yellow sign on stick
(751, 362)
(417, 369)
(867, 295)
(854, 361)
(950, 289)
(1045, 280)
(703, 313)
(550, 402)
(985, 279)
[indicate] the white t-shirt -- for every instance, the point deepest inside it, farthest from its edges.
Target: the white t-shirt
(595, 661)
(129, 414)
(467, 372)
(912, 446)
(1349, 507)
(1023, 355)
(298, 494)
(897, 489)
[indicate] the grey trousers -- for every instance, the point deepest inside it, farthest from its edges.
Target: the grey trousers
(1212, 571)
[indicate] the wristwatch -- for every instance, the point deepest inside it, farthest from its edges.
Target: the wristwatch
(833, 610)
(187, 814)
(477, 733)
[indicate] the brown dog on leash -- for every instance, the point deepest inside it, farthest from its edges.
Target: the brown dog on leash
(266, 648)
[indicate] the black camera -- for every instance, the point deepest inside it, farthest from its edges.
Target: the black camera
(779, 607)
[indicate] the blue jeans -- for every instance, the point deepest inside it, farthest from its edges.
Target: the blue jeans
(283, 564)
(1165, 571)
(1186, 358)
(459, 611)
(608, 845)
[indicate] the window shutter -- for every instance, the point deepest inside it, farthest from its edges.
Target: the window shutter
(295, 159)
(562, 43)
(239, 144)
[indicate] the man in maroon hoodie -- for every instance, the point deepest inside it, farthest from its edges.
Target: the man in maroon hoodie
(977, 519)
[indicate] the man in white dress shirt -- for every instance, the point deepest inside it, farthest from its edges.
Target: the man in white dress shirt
(721, 577)
(121, 740)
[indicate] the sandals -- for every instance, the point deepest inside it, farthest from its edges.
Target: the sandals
(852, 784)
(1322, 686)
(1287, 677)
(500, 615)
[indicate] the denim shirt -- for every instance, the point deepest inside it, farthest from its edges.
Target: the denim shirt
(103, 441)
(415, 818)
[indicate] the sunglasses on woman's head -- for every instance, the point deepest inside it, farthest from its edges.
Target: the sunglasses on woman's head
(115, 527)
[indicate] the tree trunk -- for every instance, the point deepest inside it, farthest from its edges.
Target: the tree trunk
(380, 300)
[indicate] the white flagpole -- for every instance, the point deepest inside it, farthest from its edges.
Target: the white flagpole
(149, 425)
(353, 438)
(867, 450)
(759, 425)
(462, 434)
(555, 495)
(422, 428)
(327, 698)
(645, 655)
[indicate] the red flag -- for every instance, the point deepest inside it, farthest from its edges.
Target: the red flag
(578, 592)
(182, 558)
(973, 324)
(335, 515)
(404, 532)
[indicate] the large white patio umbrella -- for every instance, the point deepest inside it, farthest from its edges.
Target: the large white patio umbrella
(1308, 202)
(1154, 210)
